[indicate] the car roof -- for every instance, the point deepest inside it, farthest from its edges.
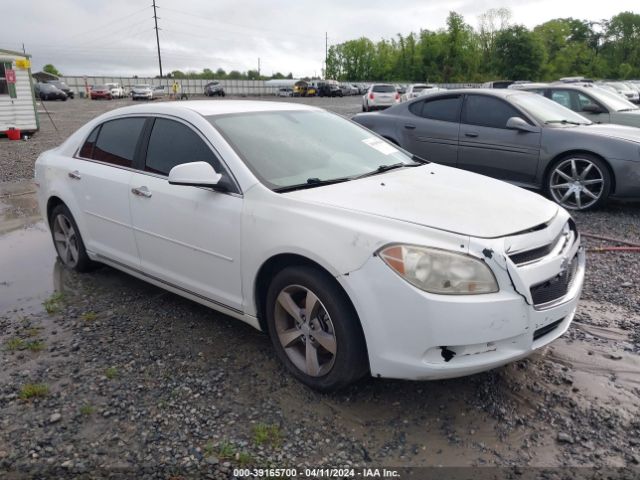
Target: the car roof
(219, 107)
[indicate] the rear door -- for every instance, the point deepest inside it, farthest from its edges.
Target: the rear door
(188, 237)
(488, 147)
(431, 127)
(102, 176)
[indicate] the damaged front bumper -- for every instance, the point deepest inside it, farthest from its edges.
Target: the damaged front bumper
(412, 334)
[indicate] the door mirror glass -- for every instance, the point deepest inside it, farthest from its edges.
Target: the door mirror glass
(517, 123)
(195, 174)
(591, 108)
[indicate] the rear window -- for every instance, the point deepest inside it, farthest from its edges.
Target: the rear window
(384, 89)
(117, 141)
(444, 109)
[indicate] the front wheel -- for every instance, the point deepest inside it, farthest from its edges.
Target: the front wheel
(315, 329)
(579, 182)
(67, 240)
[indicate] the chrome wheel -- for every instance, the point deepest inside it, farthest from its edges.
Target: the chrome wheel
(305, 330)
(65, 240)
(577, 183)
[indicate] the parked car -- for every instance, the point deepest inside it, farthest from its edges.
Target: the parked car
(353, 233)
(597, 104)
(160, 91)
(329, 89)
(48, 91)
(431, 89)
(100, 91)
(622, 88)
(62, 86)
(412, 91)
(116, 90)
(520, 137)
(379, 96)
(214, 89)
(498, 84)
(141, 92)
(575, 80)
(285, 92)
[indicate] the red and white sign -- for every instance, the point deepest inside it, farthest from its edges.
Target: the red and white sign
(10, 76)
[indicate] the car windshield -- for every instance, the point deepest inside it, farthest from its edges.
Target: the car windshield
(100, 87)
(384, 88)
(612, 100)
(141, 86)
(547, 111)
(619, 86)
(419, 88)
(289, 148)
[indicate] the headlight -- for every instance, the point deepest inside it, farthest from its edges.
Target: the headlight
(440, 271)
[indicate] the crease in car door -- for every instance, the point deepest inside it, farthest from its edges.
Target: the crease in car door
(489, 148)
(104, 179)
(188, 237)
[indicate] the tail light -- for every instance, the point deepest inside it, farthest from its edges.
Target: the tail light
(371, 96)
(397, 96)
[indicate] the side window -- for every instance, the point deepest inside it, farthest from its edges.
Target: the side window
(563, 97)
(444, 109)
(487, 111)
(172, 143)
(584, 100)
(87, 148)
(4, 87)
(117, 141)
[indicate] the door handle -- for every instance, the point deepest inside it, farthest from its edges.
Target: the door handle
(141, 192)
(470, 134)
(409, 126)
(75, 175)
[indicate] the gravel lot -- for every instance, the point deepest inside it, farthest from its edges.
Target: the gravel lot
(113, 377)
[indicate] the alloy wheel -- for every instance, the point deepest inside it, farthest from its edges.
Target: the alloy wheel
(305, 330)
(65, 240)
(576, 183)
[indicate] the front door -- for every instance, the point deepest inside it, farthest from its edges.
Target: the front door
(188, 237)
(489, 148)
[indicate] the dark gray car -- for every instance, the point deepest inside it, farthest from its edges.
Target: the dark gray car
(519, 137)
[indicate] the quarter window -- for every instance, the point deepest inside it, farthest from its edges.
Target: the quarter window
(487, 111)
(444, 109)
(172, 143)
(117, 141)
(87, 148)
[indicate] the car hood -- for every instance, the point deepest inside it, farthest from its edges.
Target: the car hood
(439, 197)
(610, 130)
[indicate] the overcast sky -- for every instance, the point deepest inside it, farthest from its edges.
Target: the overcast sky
(116, 37)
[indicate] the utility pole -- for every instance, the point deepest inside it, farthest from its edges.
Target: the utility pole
(23, 50)
(155, 18)
(258, 67)
(326, 53)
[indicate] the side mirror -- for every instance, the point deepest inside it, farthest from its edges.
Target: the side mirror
(194, 174)
(592, 108)
(517, 123)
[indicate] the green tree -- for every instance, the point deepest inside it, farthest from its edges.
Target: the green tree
(519, 54)
(51, 69)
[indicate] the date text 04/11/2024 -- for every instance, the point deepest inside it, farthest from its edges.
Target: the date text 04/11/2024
(340, 473)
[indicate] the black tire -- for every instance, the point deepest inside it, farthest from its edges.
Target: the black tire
(83, 263)
(350, 361)
(598, 181)
(364, 108)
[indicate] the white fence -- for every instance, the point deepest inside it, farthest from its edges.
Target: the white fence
(190, 86)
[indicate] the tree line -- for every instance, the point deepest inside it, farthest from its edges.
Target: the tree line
(496, 49)
(221, 74)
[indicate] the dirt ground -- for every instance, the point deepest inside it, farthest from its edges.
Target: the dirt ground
(103, 375)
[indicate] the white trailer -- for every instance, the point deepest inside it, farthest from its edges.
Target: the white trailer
(17, 100)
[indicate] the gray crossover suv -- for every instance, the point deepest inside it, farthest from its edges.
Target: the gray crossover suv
(519, 137)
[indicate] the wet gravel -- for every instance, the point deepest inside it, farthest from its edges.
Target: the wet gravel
(141, 383)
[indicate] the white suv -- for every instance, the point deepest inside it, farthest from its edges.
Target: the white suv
(380, 95)
(116, 90)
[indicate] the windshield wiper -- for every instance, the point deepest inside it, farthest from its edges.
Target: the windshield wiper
(565, 122)
(386, 168)
(310, 183)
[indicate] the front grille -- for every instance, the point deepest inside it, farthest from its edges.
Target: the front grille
(556, 287)
(541, 332)
(532, 255)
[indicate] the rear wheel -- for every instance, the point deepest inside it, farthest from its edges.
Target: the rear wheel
(315, 329)
(579, 182)
(67, 240)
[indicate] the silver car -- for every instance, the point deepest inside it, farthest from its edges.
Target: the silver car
(597, 104)
(380, 95)
(520, 137)
(624, 89)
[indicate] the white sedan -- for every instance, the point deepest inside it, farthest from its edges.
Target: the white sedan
(354, 257)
